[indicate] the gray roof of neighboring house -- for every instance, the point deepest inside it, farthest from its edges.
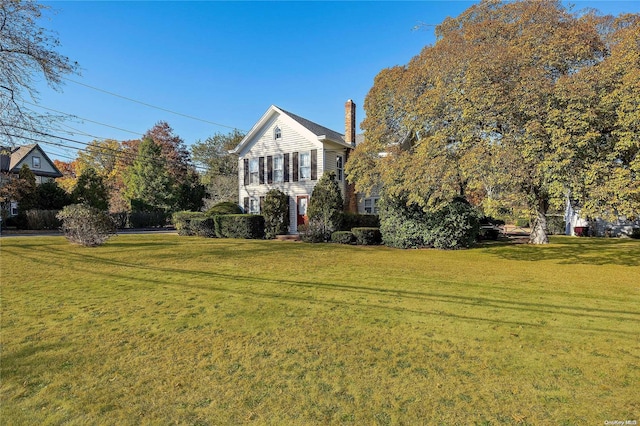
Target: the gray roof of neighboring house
(315, 128)
(19, 153)
(359, 138)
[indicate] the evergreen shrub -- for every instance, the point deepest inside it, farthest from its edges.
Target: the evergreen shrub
(225, 207)
(356, 220)
(42, 219)
(276, 213)
(249, 226)
(343, 237)
(367, 236)
(203, 227)
(182, 221)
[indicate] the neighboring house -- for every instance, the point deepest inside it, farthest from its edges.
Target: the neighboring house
(576, 225)
(12, 160)
(290, 153)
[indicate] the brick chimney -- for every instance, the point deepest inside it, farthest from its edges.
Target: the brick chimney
(350, 123)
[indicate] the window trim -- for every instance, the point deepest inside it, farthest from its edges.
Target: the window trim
(276, 169)
(340, 167)
(254, 205)
(33, 162)
(277, 133)
(254, 172)
(301, 155)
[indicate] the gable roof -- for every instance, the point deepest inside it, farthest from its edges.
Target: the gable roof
(315, 128)
(322, 133)
(20, 153)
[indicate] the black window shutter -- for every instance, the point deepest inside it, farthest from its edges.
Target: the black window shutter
(261, 204)
(246, 171)
(269, 169)
(295, 167)
(314, 164)
(261, 169)
(285, 165)
(246, 204)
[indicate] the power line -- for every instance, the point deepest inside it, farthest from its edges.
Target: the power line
(84, 119)
(152, 106)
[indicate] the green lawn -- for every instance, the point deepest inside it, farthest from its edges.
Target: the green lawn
(161, 329)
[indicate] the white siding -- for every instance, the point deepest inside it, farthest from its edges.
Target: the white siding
(263, 144)
(45, 166)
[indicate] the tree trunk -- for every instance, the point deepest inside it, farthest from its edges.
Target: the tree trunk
(539, 230)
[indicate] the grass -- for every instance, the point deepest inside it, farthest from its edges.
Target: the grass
(161, 329)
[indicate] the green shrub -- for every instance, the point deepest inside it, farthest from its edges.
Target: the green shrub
(454, 226)
(407, 226)
(325, 205)
(635, 233)
(276, 213)
(555, 224)
(487, 232)
(367, 236)
(343, 237)
(203, 227)
(249, 226)
(522, 223)
(356, 220)
(42, 219)
(182, 221)
(86, 225)
(225, 207)
(147, 219)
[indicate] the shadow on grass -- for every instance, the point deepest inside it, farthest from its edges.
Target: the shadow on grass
(572, 251)
(458, 303)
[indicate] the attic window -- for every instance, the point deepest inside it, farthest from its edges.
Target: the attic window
(35, 161)
(277, 133)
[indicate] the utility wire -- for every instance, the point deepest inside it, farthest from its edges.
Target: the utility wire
(151, 106)
(85, 119)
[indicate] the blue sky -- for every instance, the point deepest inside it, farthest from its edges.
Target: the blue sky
(227, 62)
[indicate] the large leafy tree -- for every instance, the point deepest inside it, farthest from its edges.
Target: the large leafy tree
(476, 114)
(27, 55)
(148, 182)
(221, 176)
(91, 190)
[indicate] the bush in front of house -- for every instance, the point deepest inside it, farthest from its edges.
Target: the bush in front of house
(356, 220)
(182, 221)
(85, 225)
(343, 237)
(203, 227)
(312, 232)
(454, 226)
(367, 236)
(401, 225)
(325, 205)
(224, 207)
(249, 226)
(276, 213)
(42, 219)
(635, 233)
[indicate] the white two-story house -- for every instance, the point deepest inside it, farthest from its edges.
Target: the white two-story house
(290, 153)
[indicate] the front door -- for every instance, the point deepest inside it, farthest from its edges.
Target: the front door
(301, 202)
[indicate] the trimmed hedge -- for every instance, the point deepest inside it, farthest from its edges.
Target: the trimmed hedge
(343, 237)
(367, 236)
(182, 221)
(147, 219)
(202, 227)
(225, 207)
(249, 226)
(42, 219)
(356, 220)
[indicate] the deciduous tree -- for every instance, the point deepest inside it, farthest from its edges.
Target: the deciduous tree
(476, 114)
(27, 54)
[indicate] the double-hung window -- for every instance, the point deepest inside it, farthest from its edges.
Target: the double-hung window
(278, 168)
(371, 205)
(339, 168)
(254, 175)
(35, 162)
(254, 206)
(305, 166)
